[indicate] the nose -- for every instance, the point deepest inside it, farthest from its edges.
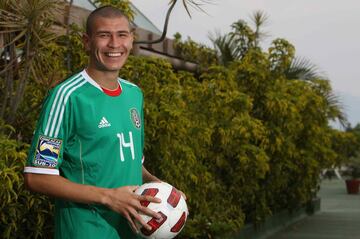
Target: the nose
(114, 41)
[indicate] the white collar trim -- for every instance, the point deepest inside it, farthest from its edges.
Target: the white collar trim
(91, 81)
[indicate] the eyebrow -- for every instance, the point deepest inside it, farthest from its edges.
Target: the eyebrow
(116, 32)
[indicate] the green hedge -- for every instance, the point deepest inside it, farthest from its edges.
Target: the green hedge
(242, 141)
(22, 214)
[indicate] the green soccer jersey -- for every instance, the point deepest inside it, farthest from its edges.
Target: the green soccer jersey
(90, 138)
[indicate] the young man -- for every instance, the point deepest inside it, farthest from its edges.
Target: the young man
(87, 150)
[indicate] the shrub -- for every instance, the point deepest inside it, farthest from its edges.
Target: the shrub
(22, 214)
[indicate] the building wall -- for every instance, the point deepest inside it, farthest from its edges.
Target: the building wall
(163, 49)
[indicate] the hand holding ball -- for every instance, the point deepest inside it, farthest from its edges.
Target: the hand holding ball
(173, 210)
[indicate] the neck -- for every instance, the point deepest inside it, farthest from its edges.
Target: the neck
(106, 79)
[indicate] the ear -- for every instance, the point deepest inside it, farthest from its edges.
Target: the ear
(86, 42)
(132, 40)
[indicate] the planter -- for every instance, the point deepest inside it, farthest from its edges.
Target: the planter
(352, 186)
(277, 222)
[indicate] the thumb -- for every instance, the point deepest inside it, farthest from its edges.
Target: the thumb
(133, 188)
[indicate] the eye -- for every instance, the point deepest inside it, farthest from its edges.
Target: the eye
(123, 34)
(103, 35)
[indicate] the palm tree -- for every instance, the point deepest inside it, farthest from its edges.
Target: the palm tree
(27, 29)
(225, 48)
(235, 45)
(303, 69)
(125, 7)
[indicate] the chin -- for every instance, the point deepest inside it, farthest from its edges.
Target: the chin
(117, 68)
(112, 67)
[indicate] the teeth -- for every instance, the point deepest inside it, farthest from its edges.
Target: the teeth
(114, 54)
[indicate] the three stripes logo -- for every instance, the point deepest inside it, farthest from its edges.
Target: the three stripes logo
(104, 123)
(57, 111)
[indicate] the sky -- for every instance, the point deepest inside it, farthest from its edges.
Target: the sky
(326, 32)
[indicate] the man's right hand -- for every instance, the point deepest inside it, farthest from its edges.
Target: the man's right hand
(124, 201)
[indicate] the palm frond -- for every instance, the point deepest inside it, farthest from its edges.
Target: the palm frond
(259, 19)
(225, 47)
(243, 37)
(27, 27)
(18, 36)
(195, 4)
(302, 69)
(336, 108)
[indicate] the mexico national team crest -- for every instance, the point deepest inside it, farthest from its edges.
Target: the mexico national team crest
(135, 118)
(47, 152)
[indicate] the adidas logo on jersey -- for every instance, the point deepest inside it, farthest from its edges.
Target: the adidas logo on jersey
(104, 123)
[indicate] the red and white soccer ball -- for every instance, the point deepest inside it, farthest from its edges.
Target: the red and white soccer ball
(172, 208)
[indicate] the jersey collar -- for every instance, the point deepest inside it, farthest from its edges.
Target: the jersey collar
(106, 91)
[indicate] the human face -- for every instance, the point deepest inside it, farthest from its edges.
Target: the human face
(109, 44)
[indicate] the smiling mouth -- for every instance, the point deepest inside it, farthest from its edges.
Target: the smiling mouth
(114, 54)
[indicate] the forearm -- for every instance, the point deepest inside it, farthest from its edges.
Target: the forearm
(60, 187)
(122, 200)
(148, 177)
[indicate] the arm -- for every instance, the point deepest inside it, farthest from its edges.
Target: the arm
(148, 177)
(122, 200)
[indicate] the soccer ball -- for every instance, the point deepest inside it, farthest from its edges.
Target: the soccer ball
(172, 208)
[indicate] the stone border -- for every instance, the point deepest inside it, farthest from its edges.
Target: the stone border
(277, 222)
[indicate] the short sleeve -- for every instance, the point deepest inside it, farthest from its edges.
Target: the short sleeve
(46, 152)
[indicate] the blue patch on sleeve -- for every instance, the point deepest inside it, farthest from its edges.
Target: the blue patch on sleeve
(47, 152)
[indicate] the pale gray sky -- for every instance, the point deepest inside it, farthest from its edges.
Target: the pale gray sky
(324, 31)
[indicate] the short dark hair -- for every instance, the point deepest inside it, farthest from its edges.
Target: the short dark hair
(107, 11)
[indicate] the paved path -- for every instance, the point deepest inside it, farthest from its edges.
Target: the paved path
(338, 218)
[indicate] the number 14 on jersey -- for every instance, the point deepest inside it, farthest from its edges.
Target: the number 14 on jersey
(123, 144)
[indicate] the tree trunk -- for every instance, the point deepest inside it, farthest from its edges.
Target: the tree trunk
(67, 22)
(9, 65)
(16, 100)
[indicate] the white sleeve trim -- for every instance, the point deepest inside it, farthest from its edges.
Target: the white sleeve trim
(41, 170)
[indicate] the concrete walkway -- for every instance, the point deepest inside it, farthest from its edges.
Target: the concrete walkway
(338, 218)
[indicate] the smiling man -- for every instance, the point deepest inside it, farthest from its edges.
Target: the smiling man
(87, 150)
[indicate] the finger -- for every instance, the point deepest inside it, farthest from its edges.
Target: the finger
(133, 188)
(150, 212)
(132, 224)
(149, 198)
(183, 194)
(138, 218)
